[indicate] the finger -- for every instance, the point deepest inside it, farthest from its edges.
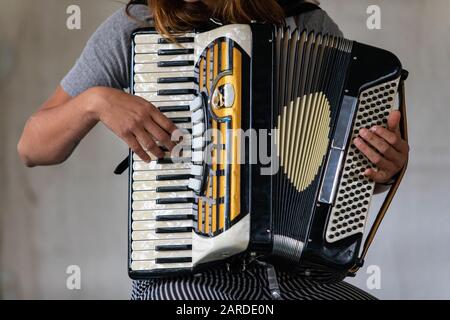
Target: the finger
(380, 145)
(379, 176)
(134, 145)
(393, 122)
(148, 143)
(162, 121)
(392, 138)
(372, 155)
(159, 134)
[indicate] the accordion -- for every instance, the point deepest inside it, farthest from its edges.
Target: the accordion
(267, 168)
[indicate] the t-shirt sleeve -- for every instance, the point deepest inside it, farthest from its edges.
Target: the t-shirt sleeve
(320, 22)
(105, 61)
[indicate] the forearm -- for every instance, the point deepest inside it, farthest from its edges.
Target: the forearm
(51, 135)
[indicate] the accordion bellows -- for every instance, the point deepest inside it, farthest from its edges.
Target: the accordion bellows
(305, 202)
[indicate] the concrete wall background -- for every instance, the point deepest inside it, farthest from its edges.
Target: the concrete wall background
(75, 214)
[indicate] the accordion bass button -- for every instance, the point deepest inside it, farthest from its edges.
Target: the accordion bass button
(196, 104)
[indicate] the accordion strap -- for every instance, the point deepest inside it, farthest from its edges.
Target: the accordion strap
(295, 8)
(393, 190)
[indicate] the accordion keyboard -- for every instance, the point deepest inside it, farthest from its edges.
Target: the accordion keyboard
(162, 202)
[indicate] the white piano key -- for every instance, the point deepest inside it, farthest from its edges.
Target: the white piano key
(152, 255)
(186, 125)
(198, 143)
(196, 104)
(159, 104)
(153, 185)
(198, 129)
(153, 97)
(151, 205)
(153, 165)
(154, 38)
(198, 116)
(154, 87)
(154, 48)
(195, 184)
(154, 67)
(197, 156)
(152, 224)
(150, 195)
(153, 77)
(151, 175)
(152, 244)
(137, 158)
(186, 143)
(152, 215)
(152, 265)
(178, 114)
(187, 140)
(152, 235)
(196, 170)
(153, 58)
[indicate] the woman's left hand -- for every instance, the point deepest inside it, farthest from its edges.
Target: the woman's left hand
(385, 148)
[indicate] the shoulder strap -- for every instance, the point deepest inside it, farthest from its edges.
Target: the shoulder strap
(296, 7)
(393, 190)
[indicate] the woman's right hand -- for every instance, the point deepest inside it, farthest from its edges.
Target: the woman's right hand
(136, 121)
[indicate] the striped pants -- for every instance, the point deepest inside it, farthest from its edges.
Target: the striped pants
(251, 284)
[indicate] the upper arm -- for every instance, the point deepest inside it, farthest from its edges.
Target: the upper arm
(59, 97)
(105, 60)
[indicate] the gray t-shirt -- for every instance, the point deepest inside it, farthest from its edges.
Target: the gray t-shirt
(106, 59)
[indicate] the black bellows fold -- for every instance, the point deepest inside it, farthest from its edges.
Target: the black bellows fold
(309, 83)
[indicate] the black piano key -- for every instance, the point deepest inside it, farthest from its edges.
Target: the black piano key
(181, 120)
(172, 161)
(176, 79)
(168, 177)
(175, 217)
(173, 230)
(181, 63)
(164, 161)
(174, 108)
(177, 39)
(175, 92)
(175, 201)
(173, 189)
(172, 260)
(174, 52)
(179, 247)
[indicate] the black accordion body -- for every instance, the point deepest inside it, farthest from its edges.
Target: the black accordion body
(267, 168)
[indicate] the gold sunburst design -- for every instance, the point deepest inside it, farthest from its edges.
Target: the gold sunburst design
(302, 138)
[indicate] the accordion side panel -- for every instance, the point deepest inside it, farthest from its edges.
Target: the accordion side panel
(350, 211)
(225, 227)
(225, 123)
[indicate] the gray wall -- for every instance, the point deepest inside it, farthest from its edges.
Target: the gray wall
(75, 214)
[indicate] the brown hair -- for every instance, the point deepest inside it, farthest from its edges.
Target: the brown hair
(179, 16)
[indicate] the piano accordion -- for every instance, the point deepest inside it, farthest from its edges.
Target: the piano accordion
(306, 202)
